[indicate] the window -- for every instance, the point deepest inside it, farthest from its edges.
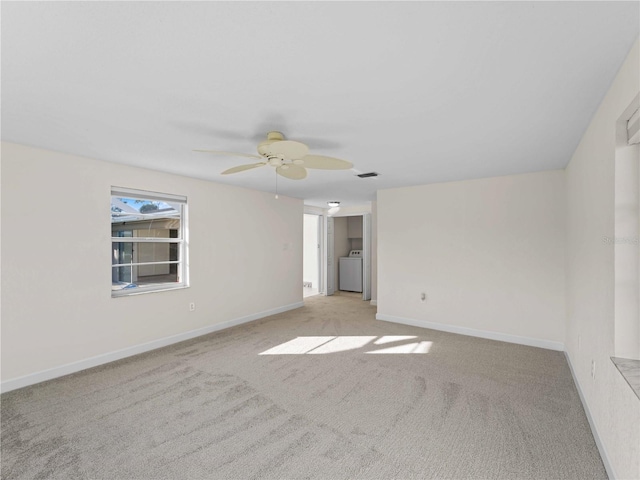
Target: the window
(148, 242)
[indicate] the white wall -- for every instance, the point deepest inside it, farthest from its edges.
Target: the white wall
(590, 277)
(488, 253)
(353, 210)
(245, 258)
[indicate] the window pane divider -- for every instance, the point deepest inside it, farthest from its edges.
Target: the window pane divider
(168, 262)
(145, 240)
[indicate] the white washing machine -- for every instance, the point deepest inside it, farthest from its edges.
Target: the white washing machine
(351, 272)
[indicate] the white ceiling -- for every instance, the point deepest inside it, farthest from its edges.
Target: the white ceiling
(419, 92)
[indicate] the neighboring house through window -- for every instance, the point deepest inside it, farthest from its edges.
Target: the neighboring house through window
(148, 241)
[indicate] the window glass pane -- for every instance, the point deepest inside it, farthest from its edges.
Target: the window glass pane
(127, 257)
(144, 252)
(147, 218)
(128, 278)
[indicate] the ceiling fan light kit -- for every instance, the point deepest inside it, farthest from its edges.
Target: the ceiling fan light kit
(289, 158)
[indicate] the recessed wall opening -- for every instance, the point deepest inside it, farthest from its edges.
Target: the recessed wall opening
(351, 254)
(348, 253)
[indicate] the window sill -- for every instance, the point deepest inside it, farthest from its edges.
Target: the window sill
(630, 371)
(142, 291)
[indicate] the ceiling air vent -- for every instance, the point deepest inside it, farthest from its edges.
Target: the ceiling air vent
(367, 175)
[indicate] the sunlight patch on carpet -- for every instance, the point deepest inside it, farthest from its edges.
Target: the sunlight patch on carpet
(333, 344)
(416, 347)
(393, 338)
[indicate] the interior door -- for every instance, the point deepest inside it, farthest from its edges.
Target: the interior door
(329, 271)
(366, 256)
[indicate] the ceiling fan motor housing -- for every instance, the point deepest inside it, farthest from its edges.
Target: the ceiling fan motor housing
(272, 137)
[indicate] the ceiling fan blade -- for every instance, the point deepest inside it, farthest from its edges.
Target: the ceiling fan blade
(242, 168)
(325, 163)
(288, 149)
(231, 154)
(294, 172)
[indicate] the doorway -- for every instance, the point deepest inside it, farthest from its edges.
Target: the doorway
(352, 253)
(311, 255)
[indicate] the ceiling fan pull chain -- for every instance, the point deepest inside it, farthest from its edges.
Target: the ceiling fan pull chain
(276, 171)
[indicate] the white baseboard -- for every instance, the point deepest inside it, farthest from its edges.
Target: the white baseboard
(596, 436)
(503, 337)
(373, 302)
(74, 367)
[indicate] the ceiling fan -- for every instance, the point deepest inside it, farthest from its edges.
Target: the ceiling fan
(290, 159)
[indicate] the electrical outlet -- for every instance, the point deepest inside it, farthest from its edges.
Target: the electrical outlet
(423, 297)
(593, 369)
(192, 307)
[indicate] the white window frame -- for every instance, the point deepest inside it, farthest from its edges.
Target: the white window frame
(178, 202)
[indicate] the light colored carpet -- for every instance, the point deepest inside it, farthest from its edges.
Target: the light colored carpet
(301, 396)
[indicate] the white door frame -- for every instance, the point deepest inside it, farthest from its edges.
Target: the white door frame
(322, 241)
(329, 270)
(366, 256)
(318, 281)
(359, 211)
